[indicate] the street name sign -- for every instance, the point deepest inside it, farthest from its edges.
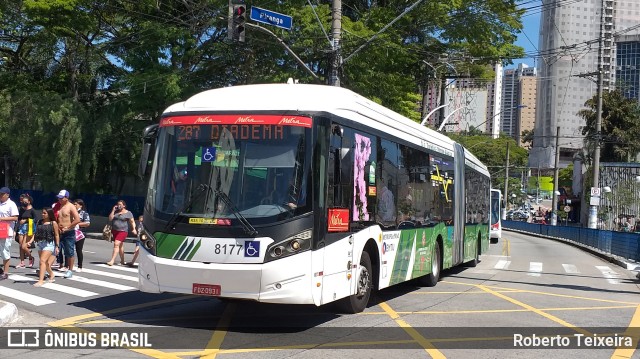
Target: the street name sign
(271, 18)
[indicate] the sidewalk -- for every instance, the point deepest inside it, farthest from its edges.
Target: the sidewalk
(9, 311)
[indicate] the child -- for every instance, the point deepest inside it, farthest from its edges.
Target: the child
(139, 229)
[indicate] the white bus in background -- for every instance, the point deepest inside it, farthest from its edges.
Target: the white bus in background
(496, 222)
(304, 194)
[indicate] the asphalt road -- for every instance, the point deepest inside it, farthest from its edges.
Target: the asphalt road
(524, 288)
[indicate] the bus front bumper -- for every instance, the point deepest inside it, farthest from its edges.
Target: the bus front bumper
(287, 280)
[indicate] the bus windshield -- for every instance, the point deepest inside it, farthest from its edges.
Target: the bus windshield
(218, 167)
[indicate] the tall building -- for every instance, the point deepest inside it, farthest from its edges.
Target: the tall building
(467, 108)
(628, 65)
(511, 99)
(526, 106)
(569, 42)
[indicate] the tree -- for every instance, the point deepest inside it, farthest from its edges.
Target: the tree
(620, 127)
(527, 138)
(84, 77)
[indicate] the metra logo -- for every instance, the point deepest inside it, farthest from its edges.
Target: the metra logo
(205, 119)
(247, 120)
(387, 247)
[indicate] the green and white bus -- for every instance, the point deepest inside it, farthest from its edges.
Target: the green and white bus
(304, 194)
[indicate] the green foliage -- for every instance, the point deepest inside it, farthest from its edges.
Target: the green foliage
(565, 176)
(80, 79)
(620, 127)
(527, 138)
(493, 153)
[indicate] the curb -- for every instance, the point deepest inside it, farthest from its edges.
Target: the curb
(8, 313)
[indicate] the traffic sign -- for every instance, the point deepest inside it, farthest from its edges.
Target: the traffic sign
(595, 191)
(271, 18)
(567, 209)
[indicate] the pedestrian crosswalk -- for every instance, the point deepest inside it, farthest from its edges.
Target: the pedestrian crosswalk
(94, 281)
(495, 264)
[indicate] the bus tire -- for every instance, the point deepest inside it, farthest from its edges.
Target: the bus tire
(474, 262)
(358, 302)
(431, 279)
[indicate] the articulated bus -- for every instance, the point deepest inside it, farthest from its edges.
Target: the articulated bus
(496, 221)
(304, 194)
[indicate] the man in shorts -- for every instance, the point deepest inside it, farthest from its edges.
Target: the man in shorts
(8, 217)
(68, 218)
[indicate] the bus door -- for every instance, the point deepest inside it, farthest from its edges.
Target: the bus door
(459, 205)
(338, 242)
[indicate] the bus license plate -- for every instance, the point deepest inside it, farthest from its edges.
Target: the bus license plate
(206, 289)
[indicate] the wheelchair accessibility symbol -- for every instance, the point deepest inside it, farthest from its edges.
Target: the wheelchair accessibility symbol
(251, 249)
(209, 154)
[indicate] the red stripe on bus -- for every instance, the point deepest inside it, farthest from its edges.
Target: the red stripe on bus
(298, 121)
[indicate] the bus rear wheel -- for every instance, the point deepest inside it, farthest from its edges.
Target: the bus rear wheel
(358, 302)
(431, 279)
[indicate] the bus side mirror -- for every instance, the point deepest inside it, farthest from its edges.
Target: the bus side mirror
(144, 158)
(148, 138)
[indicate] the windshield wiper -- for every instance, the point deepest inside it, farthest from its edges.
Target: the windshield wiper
(248, 228)
(172, 221)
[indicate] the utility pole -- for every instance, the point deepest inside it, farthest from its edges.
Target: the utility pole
(506, 186)
(556, 173)
(336, 57)
(538, 187)
(593, 209)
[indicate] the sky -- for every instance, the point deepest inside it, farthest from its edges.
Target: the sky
(531, 28)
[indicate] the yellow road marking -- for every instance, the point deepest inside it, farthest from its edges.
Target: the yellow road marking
(632, 331)
(486, 311)
(105, 321)
(466, 292)
(545, 293)
(506, 247)
(536, 310)
(424, 342)
(78, 318)
(213, 346)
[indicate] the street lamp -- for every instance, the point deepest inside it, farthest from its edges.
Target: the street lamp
(424, 120)
(444, 122)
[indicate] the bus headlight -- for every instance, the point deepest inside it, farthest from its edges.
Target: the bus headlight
(148, 242)
(292, 245)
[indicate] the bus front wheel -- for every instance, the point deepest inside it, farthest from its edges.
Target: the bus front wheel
(358, 302)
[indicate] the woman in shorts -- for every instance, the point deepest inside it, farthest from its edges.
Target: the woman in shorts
(47, 239)
(121, 220)
(26, 223)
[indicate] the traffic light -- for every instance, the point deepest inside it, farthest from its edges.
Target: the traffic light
(239, 20)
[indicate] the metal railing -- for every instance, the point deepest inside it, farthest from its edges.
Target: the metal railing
(622, 244)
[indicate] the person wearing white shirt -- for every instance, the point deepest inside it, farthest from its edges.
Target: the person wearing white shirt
(8, 217)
